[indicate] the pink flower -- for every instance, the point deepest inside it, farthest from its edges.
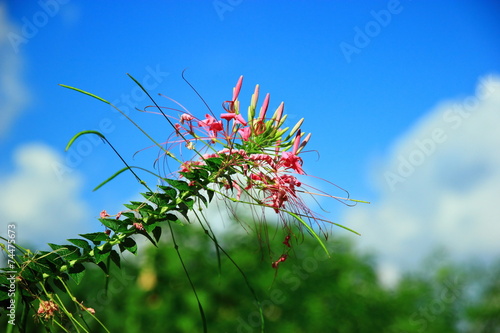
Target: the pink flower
(103, 214)
(237, 117)
(47, 309)
(186, 117)
(211, 123)
(189, 166)
(245, 133)
(138, 226)
(290, 160)
(240, 120)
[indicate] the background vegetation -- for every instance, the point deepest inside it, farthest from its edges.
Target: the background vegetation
(308, 293)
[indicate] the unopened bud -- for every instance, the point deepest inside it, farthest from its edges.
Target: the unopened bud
(304, 143)
(263, 109)
(282, 121)
(255, 97)
(278, 113)
(236, 90)
(295, 128)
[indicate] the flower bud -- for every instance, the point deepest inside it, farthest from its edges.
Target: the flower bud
(253, 103)
(295, 128)
(304, 143)
(278, 113)
(236, 90)
(263, 109)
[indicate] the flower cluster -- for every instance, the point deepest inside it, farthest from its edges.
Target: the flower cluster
(47, 309)
(257, 148)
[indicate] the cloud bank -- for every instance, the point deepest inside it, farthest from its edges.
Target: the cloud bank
(439, 187)
(43, 208)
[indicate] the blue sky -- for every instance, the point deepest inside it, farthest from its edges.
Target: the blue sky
(373, 80)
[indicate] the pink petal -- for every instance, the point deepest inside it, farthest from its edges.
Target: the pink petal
(227, 116)
(237, 89)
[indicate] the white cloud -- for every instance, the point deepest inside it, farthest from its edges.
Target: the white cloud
(439, 187)
(44, 208)
(13, 94)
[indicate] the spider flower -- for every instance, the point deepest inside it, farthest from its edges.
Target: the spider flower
(259, 160)
(257, 149)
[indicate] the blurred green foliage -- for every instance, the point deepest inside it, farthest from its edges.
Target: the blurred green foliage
(308, 293)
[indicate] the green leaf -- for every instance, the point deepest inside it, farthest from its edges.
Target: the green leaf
(112, 224)
(214, 163)
(81, 243)
(130, 215)
(130, 245)
(59, 285)
(95, 237)
(179, 184)
(83, 133)
(210, 194)
(169, 192)
(110, 178)
(121, 171)
(77, 272)
(157, 233)
(42, 268)
(133, 205)
(85, 92)
(68, 252)
(115, 257)
(101, 255)
(311, 231)
(103, 266)
(4, 294)
(150, 226)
